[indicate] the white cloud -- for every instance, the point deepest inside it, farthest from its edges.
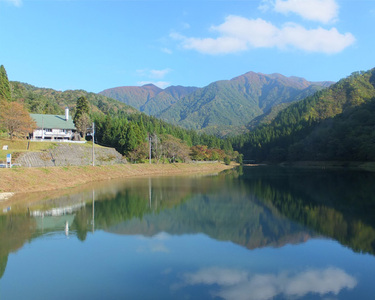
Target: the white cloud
(316, 40)
(153, 74)
(266, 5)
(158, 74)
(239, 34)
(324, 11)
(17, 3)
(220, 276)
(166, 50)
(185, 25)
(236, 284)
(160, 84)
(161, 236)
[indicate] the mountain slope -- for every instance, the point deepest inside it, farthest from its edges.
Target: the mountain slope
(49, 101)
(148, 98)
(135, 96)
(333, 124)
(238, 101)
(165, 99)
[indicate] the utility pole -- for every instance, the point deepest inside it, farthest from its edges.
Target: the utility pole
(93, 211)
(93, 142)
(150, 139)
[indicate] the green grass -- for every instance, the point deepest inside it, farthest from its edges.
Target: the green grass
(16, 145)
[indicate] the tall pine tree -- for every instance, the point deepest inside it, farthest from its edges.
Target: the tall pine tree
(5, 94)
(83, 107)
(81, 118)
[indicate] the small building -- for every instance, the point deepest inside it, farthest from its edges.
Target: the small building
(53, 127)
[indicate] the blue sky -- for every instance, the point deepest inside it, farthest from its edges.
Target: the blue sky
(97, 44)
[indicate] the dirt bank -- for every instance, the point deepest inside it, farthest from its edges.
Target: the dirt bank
(25, 180)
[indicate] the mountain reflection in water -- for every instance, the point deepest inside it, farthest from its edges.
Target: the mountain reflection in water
(254, 208)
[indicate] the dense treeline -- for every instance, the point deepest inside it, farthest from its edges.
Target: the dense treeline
(49, 101)
(117, 124)
(335, 203)
(333, 124)
(130, 134)
(15, 120)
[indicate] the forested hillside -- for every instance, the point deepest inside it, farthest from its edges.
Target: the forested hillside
(131, 135)
(148, 98)
(223, 107)
(117, 124)
(49, 101)
(334, 124)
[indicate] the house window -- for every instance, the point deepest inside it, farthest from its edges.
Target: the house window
(48, 130)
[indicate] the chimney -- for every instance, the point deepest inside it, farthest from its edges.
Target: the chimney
(66, 113)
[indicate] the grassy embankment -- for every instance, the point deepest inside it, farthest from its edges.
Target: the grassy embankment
(18, 146)
(25, 180)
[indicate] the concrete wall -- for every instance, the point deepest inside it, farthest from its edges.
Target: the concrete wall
(69, 155)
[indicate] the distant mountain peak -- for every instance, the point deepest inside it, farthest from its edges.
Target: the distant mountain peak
(222, 103)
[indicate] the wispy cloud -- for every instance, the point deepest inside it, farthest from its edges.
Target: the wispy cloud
(236, 284)
(156, 242)
(166, 50)
(153, 73)
(152, 76)
(185, 25)
(158, 74)
(239, 34)
(17, 3)
(161, 84)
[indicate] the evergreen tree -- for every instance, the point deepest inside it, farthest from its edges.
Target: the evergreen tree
(82, 107)
(5, 94)
(131, 138)
(81, 118)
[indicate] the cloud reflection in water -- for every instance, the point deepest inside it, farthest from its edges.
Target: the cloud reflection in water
(237, 284)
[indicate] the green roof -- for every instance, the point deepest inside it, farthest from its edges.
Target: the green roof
(52, 121)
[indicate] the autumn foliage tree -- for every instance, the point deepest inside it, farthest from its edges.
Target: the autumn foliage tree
(174, 149)
(202, 152)
(15, 119)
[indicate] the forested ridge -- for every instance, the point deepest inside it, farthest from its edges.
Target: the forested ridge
(131, 135)
(117, 125)
(49, 101)
(334, 124)
(222, 107)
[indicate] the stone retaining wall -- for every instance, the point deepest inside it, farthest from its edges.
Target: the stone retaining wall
(69, 155)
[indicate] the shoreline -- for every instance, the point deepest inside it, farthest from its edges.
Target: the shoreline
(28, 180)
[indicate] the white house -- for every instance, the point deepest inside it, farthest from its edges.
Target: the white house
(53, 127)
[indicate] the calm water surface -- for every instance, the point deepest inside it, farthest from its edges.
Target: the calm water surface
(252, 233)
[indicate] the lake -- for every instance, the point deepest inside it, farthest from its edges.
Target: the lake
(248, 233)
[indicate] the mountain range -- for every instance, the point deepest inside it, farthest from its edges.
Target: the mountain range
(334, 124)
(221, 107)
